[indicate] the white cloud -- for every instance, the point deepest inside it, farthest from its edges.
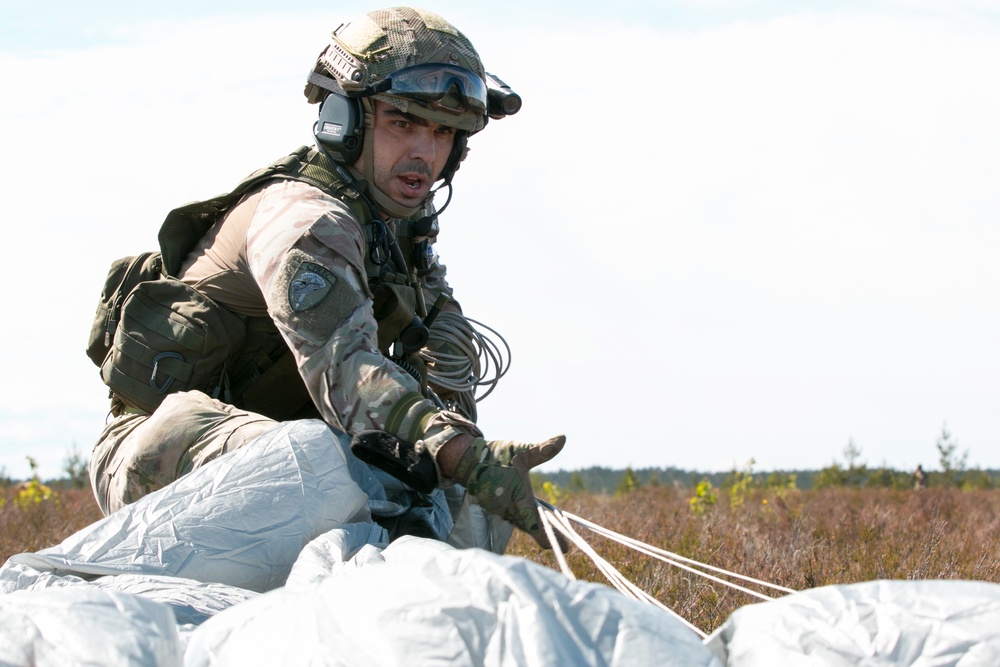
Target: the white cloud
(780, 241)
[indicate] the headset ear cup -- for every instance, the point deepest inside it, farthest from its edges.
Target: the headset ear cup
(459, 151)
(341, 128)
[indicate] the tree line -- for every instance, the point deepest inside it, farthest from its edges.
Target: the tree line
(952, 470)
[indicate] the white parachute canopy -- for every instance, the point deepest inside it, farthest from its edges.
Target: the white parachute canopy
(270, 556)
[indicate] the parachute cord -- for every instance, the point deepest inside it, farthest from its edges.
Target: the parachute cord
(617, 579)
(550, 533)
(554, 519)
(676, 559)
(478, 362)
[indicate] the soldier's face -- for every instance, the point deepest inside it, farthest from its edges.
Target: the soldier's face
(409, 153)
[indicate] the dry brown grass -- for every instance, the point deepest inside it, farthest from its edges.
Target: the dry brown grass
(797, 539)
(31, 526)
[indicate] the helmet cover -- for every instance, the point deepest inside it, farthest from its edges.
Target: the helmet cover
(370, 49)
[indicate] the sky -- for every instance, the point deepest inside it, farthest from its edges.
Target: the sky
(716, 232)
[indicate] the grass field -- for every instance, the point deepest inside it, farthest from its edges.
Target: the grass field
(796, 539)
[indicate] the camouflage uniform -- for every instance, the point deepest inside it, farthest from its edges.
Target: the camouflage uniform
(293, 259)
(296, 254)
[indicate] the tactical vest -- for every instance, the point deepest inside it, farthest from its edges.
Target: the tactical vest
(257, 371)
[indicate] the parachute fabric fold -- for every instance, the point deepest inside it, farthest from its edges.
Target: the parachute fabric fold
(935, 623)
(419, 601)
(241, 520)
(86, 626)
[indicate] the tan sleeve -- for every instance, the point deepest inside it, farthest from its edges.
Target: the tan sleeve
(305, 250)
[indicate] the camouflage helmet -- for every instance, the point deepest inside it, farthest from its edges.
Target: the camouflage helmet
(372, 56)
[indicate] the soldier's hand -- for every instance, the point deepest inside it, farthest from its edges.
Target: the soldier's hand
(496, 473)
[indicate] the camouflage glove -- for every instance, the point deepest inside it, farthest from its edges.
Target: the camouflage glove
(496, 473)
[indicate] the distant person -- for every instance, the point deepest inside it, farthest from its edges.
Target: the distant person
(919, 478)
(328, 264)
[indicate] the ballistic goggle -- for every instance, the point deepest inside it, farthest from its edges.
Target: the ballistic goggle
(432, 83)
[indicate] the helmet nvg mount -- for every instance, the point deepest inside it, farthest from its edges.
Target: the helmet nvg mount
(414, 60)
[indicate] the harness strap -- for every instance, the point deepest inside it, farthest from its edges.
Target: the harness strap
(262, 375)
(185, 226)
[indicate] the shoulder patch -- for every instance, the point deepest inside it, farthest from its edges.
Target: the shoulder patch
(309, 286)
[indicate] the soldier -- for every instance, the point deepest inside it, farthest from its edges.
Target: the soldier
(328, 261)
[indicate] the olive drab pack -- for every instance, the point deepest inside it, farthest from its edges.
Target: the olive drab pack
(154, 335)
(123, 276)
(170, 338)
